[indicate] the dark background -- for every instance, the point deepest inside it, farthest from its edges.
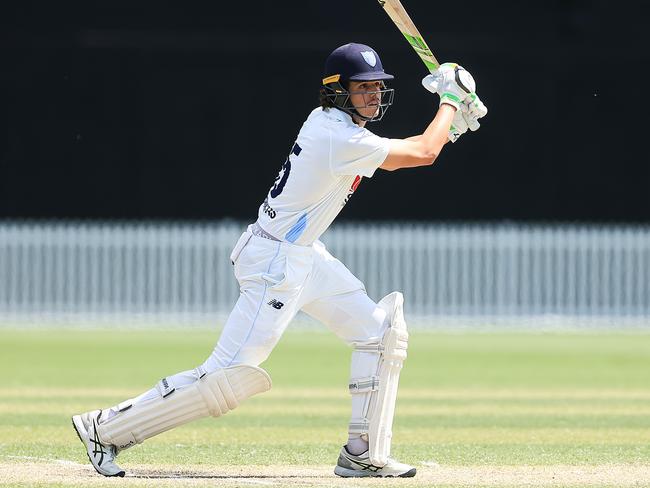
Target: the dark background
(152, 110)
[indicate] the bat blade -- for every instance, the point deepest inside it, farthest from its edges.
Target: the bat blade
(402, 20)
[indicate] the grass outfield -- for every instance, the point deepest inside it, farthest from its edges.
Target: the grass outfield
(498, 409)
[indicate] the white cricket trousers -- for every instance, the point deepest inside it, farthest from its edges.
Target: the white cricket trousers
(277, 279)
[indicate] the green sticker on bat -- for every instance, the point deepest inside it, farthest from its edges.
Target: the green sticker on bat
(430, 65)
(416, 42)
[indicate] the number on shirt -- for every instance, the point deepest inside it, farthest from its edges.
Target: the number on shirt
(282, 177)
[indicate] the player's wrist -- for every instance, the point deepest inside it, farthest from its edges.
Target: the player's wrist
(450, 99)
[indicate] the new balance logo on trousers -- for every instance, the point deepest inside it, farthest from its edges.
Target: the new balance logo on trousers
(275, 304)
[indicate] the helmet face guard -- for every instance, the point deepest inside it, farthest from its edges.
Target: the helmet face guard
(340, 98)
(355, 62)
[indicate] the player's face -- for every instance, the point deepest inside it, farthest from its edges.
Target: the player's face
(366, 96)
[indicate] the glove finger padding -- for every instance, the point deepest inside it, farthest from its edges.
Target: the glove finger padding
(475, 107)
(473, 125)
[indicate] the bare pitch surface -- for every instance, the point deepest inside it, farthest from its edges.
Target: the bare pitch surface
(474, 410)
(77, 475)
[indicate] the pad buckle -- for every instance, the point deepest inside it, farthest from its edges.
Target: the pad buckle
(364, 385)
(165, 387)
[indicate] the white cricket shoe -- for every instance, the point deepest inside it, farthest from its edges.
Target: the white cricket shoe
(102, 456)
(351, 466)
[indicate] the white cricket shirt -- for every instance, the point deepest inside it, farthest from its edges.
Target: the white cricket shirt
(324, 168)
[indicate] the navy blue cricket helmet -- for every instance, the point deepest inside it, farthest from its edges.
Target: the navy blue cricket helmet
(355, 62)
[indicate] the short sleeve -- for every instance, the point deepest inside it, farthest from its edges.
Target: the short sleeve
(358, 152)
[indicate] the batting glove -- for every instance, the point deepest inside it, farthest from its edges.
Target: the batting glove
(473, 109)
(467, 117)
(458, 126)
(452, 82)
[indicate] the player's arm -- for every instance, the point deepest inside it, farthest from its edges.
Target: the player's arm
(421, 150)
(460, 109)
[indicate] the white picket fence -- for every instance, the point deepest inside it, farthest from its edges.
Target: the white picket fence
(53, 273)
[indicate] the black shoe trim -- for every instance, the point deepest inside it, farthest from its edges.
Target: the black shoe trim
(119, 474)
(409, 474)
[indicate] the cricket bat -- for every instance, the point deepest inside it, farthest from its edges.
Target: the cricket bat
(402, 20)
(400, 17)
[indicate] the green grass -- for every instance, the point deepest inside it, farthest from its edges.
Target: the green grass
(499, 399)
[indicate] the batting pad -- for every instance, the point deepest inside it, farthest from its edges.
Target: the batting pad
(382, 388)
(212, 394)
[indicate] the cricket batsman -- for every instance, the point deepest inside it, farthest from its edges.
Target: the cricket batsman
(282, 267)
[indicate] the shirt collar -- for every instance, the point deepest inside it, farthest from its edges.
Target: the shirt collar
(338, 114)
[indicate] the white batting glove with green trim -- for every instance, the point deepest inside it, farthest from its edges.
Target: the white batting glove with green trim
(467, 117)
(452, 82)
(473, 109)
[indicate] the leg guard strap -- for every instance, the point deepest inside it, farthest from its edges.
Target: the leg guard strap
(364, 385)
